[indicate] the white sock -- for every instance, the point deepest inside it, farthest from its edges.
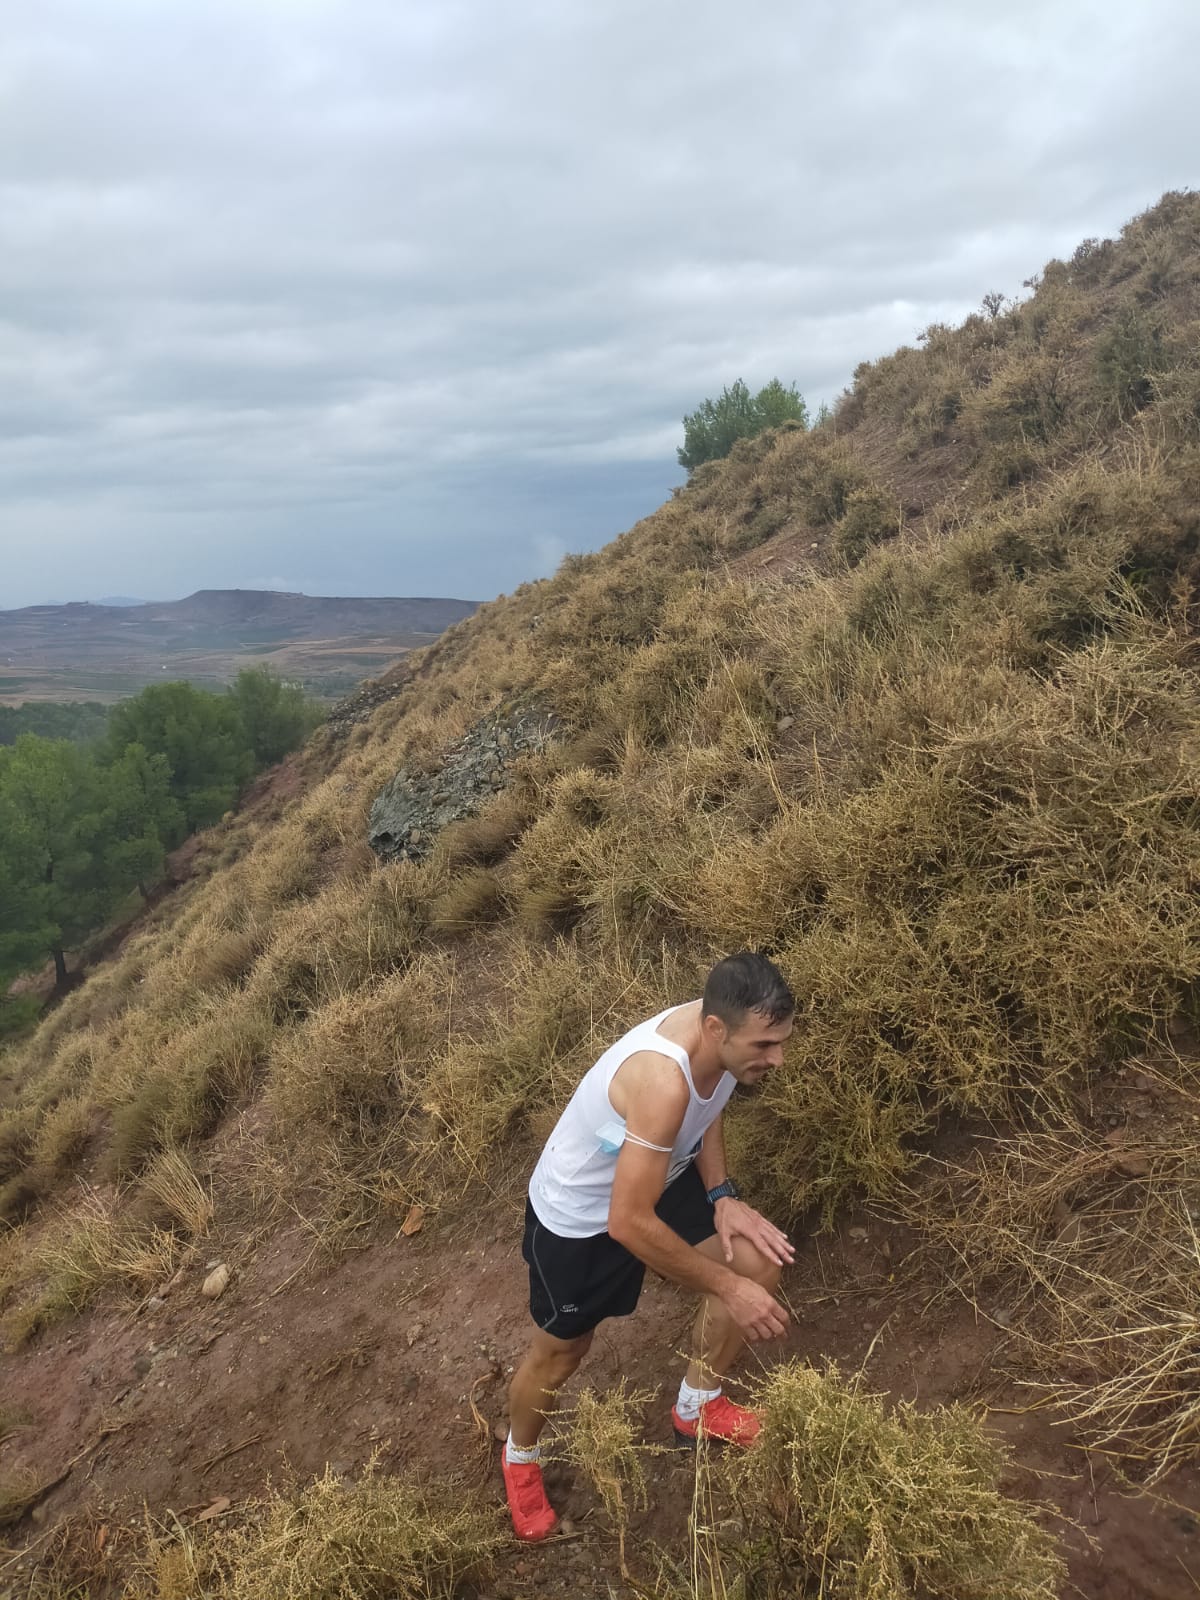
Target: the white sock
(517, 1457)
(690, 1400)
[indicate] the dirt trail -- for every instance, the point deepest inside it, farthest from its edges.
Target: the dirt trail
(301, 1363)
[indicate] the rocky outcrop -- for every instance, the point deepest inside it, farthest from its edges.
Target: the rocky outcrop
(409, 811)
(360, 706)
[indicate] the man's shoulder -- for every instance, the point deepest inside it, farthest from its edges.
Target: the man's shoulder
(652, 1074)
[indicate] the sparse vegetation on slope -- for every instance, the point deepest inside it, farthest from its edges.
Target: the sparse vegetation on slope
(378, 1538)
(870, 1504)
(909, 700)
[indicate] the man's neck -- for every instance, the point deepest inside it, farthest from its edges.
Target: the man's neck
(683, 1028)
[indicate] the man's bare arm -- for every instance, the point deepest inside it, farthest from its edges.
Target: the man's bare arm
(632, 1222)
(653, 1098)
(710, 1159)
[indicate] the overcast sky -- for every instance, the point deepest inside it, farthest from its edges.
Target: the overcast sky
(409, 297)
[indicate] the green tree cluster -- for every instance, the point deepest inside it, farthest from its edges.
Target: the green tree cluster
(80, 720)
(80, 828)
(275, 716)
(77, 833)
(711, 431)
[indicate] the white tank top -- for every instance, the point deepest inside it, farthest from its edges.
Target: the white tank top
(571, 1187)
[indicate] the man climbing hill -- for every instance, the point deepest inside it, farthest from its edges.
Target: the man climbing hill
(634, 1176)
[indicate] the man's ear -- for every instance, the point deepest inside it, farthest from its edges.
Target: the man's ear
(713, 1029)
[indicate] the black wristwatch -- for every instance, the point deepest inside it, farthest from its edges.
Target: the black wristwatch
(724, 1191)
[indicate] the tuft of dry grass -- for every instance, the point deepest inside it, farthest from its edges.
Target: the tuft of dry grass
(18, 1491)
(17, 1132)
(377, 1538)
(1090, 1242)
(185, 1074)
(87, 1247)
(225, 957)
(63, 1135)
(171, 1182)
(603, 1441)
(472, 900)
(485, 839)
(866, 1502)
(508, 1074)
(346, 1094)
(12, 1418)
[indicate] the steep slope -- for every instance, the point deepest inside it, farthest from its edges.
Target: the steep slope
(910, 701)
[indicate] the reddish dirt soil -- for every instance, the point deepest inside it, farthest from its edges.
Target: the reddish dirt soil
(300, 1364)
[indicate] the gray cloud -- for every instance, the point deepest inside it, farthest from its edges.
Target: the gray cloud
(411, 298)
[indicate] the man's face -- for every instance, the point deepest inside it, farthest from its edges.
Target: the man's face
(753, 1048)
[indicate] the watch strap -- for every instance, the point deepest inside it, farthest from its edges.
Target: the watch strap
(724, 1191)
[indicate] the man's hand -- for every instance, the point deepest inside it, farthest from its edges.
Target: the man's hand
(735, 1219)
(755, 1311)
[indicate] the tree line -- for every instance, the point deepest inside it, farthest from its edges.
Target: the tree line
(82, 826)
(79, 720)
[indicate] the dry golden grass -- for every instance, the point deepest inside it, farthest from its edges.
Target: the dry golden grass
(174, 1083)
(472, 900)
(350, 934)
(224, 957)
(63, 1135)
(483, 840)
(171, 1182)
(1000, 905)
(90, 1246)
(346, 1093)
(603, 1441)
(508, 1075)
(17, 1493)
(378, 1538)
(866, 1502)
(13, 1417)
(1090, 1244)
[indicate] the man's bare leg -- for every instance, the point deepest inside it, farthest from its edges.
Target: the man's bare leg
(533, 1393)
(532, 1397)
(717, 1340)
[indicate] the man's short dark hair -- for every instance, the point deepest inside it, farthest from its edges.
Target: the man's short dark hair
(743, 983)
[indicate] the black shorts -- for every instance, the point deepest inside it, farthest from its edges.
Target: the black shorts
(576, 1283)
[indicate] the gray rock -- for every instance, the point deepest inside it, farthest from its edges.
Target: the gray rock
(411, 809)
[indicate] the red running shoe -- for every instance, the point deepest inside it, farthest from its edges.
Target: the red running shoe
(533, 1517)
(718, 1419)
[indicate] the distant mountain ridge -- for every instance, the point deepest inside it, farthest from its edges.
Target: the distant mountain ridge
(239, 606)
(102, 651)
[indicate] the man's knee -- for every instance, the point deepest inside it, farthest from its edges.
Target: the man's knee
(560, 1357)
(750, 1262)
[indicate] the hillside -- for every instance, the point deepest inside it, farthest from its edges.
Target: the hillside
(102, 652)
(909, 701)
